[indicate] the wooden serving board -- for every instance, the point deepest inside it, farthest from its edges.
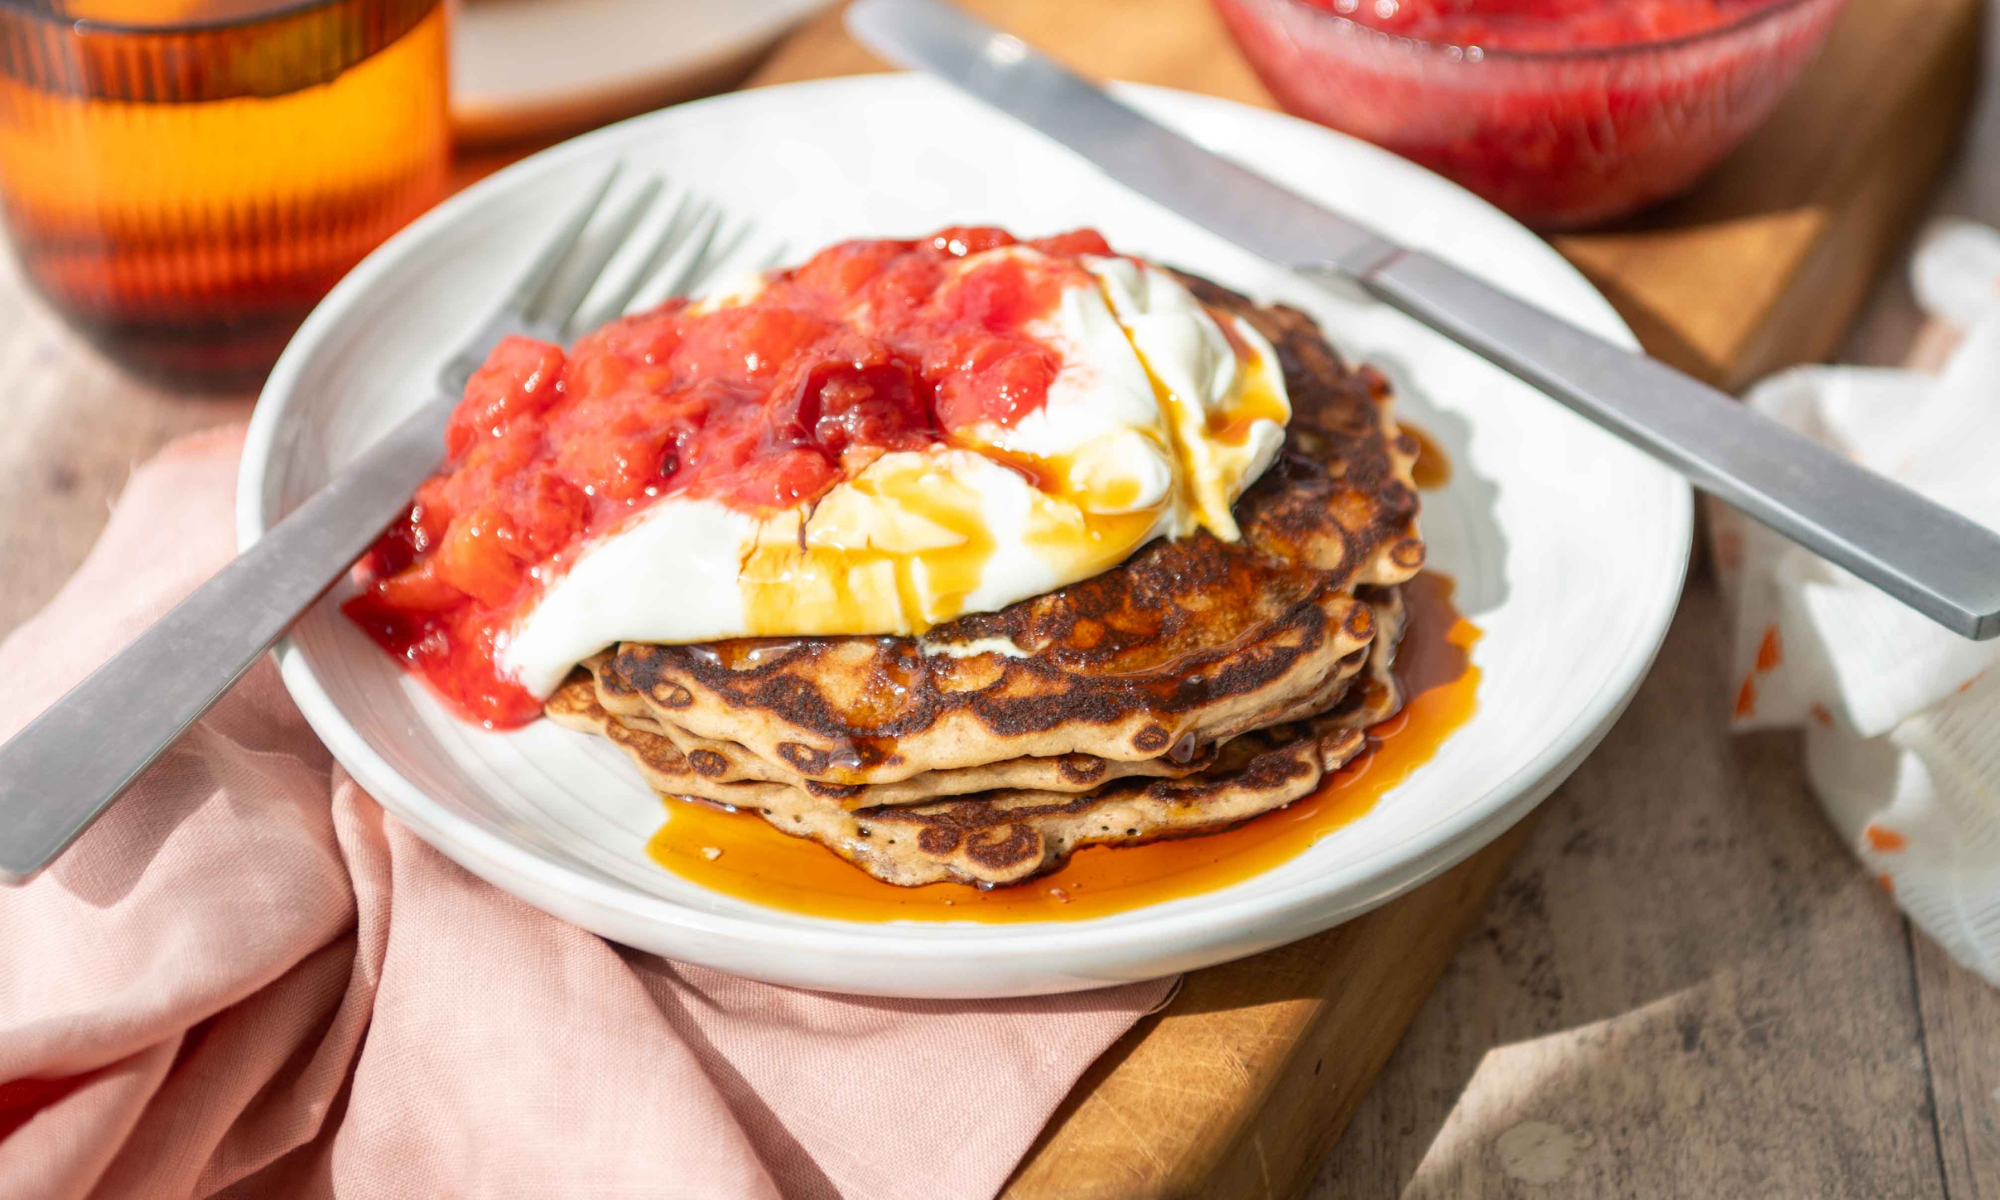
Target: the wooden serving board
(1240, 1086)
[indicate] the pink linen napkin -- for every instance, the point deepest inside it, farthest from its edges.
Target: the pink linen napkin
(248, 980)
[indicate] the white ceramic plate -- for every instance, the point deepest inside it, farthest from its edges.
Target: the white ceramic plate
(1568, 547)
(521, 66)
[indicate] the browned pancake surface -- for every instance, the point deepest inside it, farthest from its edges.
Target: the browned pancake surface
(1189, 642)
(1007, 835)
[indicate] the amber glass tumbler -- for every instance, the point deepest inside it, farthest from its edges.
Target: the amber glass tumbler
(184, 179)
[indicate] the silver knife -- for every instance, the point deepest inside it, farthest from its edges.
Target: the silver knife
(1930, 558)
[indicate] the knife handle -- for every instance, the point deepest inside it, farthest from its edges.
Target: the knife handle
(1936, 561)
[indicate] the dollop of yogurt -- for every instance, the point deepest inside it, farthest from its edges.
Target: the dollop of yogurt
(1156, 423)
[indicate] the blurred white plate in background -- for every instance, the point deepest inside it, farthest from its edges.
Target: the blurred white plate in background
(520, 67)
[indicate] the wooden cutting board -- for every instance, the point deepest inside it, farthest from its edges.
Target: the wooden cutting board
(1239, 1087)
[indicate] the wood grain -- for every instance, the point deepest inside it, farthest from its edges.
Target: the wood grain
(1960, 1025)
(1238, 1087)
(1175, 43)
(75, 428)
(1684, 987)
(1678, 988)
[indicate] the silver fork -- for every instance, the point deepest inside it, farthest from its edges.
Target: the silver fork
(61, 771)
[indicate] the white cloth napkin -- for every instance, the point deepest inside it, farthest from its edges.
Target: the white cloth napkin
(1901, 717)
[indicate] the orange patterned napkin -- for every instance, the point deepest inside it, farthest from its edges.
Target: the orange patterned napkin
(1901, 716)
(248, 980)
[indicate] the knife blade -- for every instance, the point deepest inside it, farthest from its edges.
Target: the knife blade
(1927, 556)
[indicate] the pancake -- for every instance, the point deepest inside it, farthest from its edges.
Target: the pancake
(670, 767)
(722, 762)
(1005, 836)
(727, 773)
(1188, 643)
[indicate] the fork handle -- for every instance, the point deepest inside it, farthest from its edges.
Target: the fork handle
(1929, 557)
(61, 771)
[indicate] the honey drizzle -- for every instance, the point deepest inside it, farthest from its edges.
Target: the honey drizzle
(738, 854)
(1255, 399)
(1432, 470)
(805, 585)
(832, 589)
(829, 589)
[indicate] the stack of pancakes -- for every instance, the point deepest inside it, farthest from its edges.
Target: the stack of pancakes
(1198, 684)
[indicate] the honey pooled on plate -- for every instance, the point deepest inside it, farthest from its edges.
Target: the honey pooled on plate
(738, 854)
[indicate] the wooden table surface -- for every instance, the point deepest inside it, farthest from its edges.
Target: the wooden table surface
(1685, 986)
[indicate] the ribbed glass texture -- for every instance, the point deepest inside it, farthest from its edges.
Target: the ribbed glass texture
(184, 194)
